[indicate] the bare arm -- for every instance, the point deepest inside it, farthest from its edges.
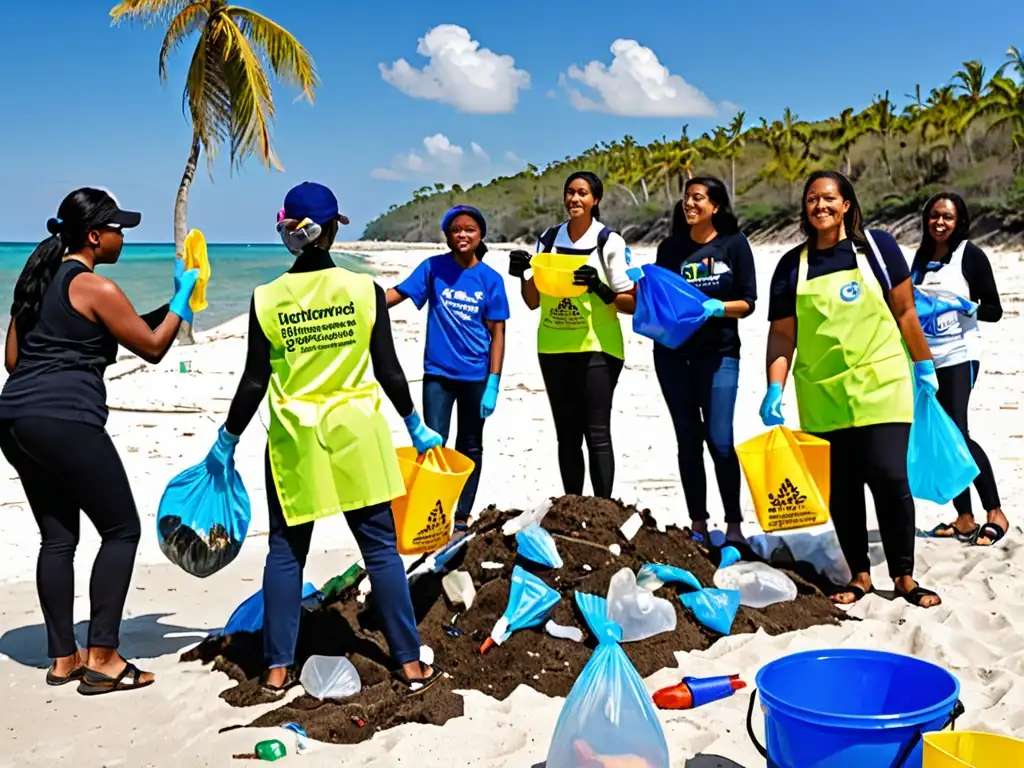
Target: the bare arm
(11, 347)
(781, 346)
(738, 309)
(393, 297)
(901, 301)
(497, 359)
(626, 302)
(529, 292)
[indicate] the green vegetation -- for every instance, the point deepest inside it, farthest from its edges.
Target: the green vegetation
(967, 136)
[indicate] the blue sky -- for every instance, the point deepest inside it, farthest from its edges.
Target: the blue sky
(83, 104)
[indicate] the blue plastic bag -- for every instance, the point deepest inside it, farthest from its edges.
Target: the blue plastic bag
(932, 307)
(654, 576)
(608, 712)
(939, 463)
(668, 309)
(248, 617)
(536, 544)
(204, 515)
(714, 608)
(530, 601)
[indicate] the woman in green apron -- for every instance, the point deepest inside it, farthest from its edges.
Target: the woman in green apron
(320, 339)
(843, 302)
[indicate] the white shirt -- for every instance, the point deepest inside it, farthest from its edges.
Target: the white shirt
(616, 258)
(957, 338)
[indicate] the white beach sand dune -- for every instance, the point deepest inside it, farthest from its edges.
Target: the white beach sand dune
(164, 420)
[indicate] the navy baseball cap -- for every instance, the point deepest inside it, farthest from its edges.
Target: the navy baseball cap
(463, 210)
(313, 201)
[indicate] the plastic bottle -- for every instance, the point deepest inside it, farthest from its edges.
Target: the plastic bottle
(695, 691)
(270, 750)
(339, 584)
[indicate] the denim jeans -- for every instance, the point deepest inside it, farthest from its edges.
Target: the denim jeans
(374, 531)
(701, 396)
(440, 395)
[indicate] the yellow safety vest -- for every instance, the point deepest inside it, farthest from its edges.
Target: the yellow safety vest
(330, 446)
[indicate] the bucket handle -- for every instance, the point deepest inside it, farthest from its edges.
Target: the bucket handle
(958, 710)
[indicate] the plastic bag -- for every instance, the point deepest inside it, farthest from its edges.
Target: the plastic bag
(329, 677)
(608, 717)
(714, 608)
(654, 576)
(759, 584)
(526, 519)
(939, 464)
(536, 544)
(636, 610)
(668, 309)
(203, 516)
(248, 617)
(939, 311)
(530, 601)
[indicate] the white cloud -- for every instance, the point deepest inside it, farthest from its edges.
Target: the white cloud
(512, 157)
(479, 152)
(386, 174)
(440, 160)
(635, 84)
(438, 146)
(459, 73)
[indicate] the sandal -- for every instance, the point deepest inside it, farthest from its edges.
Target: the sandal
(96, 683)
(916, 595)
(950, 531)
(851, 589)
(991, 531)
(416, 687)
(277, 692)
(75, 674)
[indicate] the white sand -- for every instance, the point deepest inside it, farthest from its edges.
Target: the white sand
(175, 723)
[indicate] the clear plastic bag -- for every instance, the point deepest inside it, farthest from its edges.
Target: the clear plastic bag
(608, 717)
(668, 309)
(636, 610)
(329, 677)
(939, 463)
(759, 584)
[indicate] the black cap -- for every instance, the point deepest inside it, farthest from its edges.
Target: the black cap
(124, 219)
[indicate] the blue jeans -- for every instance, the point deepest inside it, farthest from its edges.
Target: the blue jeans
(374, 531)
(440, 395)
(701, 396)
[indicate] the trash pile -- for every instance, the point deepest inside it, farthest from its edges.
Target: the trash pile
(501, 608)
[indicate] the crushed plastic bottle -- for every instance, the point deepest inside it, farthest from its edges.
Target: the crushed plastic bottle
(636, 610)
(759, 584)
(329, 677)
(270, 750)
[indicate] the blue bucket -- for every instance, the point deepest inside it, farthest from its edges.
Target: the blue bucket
(851, 709)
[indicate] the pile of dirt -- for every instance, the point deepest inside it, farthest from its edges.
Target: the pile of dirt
(583, 528)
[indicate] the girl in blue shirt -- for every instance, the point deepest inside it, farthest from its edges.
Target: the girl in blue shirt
(465, 346)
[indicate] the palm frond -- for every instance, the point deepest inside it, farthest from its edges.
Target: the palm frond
(252, 104)
(289, 60)
(148, 12)
(192, 18)
(207, 97)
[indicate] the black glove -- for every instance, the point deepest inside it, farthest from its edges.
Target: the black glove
(587, 275)
(518, 263)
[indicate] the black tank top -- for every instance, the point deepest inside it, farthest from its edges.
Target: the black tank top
(61, 360)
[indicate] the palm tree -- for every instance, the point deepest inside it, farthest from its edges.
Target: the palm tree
(227, 91)
(844, 132)
(733, 150)
(881, 119)
(1005, 103)
(971, 81)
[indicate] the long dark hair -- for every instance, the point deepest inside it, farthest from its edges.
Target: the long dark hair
(81, 211)
(596, 189)
(926, 250)
(723, 220)
(854, 219)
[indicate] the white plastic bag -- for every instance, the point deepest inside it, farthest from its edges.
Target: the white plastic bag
(329, 677)
(759, 584)
(636, 610)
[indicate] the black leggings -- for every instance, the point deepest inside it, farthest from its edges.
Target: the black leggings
(875, 456)
(580, 386)
(66, 467)
(955, 385)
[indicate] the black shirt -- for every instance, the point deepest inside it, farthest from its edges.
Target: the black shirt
(977, 271)
(721, 269)
(839, 258)
(256, 376)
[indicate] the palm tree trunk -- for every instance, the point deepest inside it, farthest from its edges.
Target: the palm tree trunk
(185, 333)
(643, 186)
(732, 180)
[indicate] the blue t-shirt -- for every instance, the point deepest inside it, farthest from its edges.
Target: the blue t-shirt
(462, 301)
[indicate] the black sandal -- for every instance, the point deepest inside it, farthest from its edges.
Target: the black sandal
(416, 687)
(916, 595)
(852, 589)
(96, 683)
(75, 674)
(950, 531)
(991, 531)
(277, 692)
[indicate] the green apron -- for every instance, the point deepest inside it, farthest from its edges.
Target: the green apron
(330, 446)
(851, 366)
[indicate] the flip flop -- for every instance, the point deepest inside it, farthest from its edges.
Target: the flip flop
(96, 683)
(277, 692)
(853, 589)
(950, 531)
(75, 674)
(991, 531)
(416, 687)
(917, 594)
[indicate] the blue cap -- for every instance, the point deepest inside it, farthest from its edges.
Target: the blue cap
(313, 201)
(463, 210)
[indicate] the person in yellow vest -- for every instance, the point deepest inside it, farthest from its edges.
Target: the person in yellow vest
(320, 339)
(579, 341)
(843, 302)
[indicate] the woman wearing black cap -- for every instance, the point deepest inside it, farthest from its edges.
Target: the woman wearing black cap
(465, 346)
(579, 340)
(66, 324)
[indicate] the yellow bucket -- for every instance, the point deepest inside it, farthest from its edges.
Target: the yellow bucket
(788, 476)
(553, 274)
(966, 749)
(425, 516)
(197, 258)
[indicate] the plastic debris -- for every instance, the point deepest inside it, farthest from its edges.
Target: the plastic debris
(458, 588)
(530, 601)
(329, 677)
(632, 525)
(526, 519)
(536, 544)
(759, 584)
(636, 610)
(564, 633)
(615, 549)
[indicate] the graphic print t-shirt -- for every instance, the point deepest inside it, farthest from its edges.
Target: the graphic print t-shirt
(462, 301)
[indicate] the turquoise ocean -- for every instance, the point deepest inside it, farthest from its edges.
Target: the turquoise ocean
(145, 273)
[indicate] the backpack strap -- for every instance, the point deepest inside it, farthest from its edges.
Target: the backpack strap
(602, 240)
(547, 238)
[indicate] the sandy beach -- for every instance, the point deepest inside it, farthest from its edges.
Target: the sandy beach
(164, 418)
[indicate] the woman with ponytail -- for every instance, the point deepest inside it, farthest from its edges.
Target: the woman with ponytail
(66, 325)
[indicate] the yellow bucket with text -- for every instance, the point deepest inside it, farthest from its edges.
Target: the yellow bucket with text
(196, 258)
(553, 274)
(788, 476)
(425, 516)
(967, 749)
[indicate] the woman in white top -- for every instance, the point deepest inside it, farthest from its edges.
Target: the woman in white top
(948, 265)
(579, 340)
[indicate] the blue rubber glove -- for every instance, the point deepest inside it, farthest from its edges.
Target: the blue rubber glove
(972, 309)
(222, 455)
(771, 406)
(184, 284)
(490, 399)
(714, 308)
(924, 375)
(423, 437)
